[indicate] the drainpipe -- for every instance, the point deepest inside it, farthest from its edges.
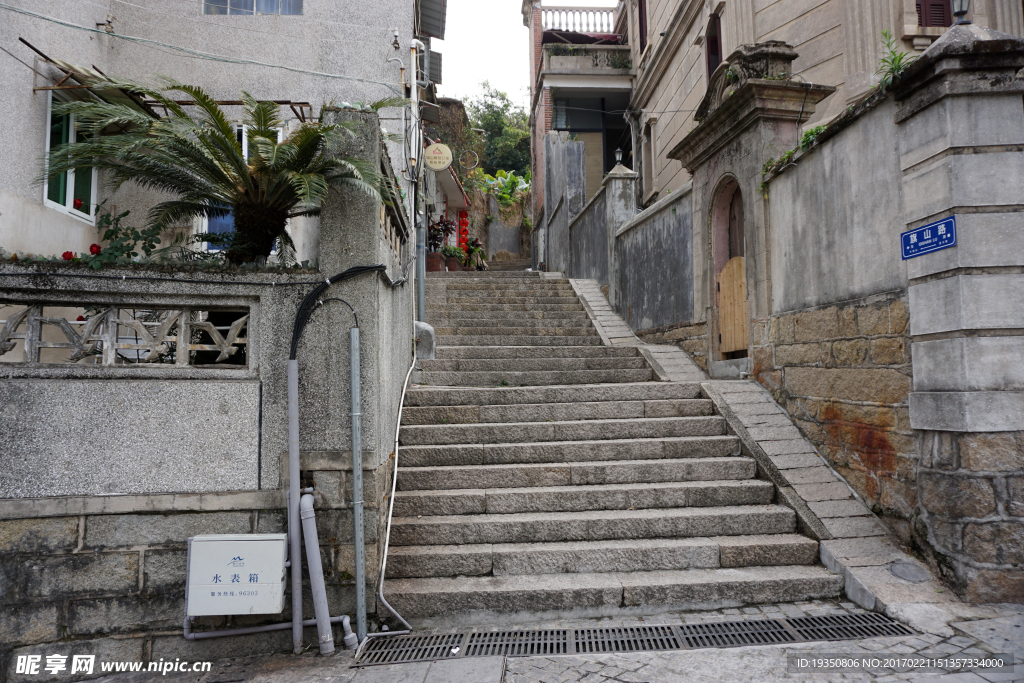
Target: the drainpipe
(294, 551)
(357, 484)
(316, 575)
(416, 147)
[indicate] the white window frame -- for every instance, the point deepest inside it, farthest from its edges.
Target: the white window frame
(204, 224)
(205, 4)
(68, 207)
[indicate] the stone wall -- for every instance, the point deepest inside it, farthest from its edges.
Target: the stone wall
(588, 241)
(972, 511)
(843, 372)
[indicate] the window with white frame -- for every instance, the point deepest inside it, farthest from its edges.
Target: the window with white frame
(71, 192)
(252, 7)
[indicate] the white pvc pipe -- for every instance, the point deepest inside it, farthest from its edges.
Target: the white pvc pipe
(316, 575)
(294, 549)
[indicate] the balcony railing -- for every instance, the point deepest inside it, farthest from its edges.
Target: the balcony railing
(579, 19)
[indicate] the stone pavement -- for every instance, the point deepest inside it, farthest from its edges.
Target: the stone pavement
(765, 664)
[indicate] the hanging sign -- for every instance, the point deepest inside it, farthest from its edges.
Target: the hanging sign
(928, 238)
(438, 157)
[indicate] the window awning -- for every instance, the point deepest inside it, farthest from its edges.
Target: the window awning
(432, 17)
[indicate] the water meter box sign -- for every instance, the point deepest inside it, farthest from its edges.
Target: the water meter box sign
(236, 574)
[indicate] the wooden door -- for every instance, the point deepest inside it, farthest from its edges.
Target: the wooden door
(732, 306)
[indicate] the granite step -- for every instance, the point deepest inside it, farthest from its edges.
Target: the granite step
(534, 352)
(479, 600)
(530, 299)
(570, 451)
(436, 318)
(538, 412)
(671, 494)
(578, 557)
(433, 306)
(548, 288)
(583, 430)
(525, 339)
(593, 525)
(586, 473)
(521, 365)
(576, 325)
(569, 330)
(639, 391)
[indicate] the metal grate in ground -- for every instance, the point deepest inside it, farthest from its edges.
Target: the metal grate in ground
(527, 643)
(847, 627)
(518, 643)
(627, 639)
(736, 634)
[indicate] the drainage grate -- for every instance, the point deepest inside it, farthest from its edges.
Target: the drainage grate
(847, 627)
(627, 639)
(518, 643)
(411, 649)
(735, 633)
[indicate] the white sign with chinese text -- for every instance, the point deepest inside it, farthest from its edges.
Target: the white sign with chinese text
(236, 574)
(438, 157)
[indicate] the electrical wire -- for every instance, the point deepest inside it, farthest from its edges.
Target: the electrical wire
(195, 53)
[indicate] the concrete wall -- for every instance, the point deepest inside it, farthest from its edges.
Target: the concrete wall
(655, 258)
(564, 180)
(355, 33)
(500, 237)
(588, 241)
(105, 574)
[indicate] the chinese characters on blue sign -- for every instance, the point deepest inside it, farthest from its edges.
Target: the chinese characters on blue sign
(929, 238)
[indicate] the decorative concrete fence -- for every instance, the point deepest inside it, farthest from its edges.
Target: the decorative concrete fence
(139, 407)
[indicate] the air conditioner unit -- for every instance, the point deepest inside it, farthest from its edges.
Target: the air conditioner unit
(236, 574)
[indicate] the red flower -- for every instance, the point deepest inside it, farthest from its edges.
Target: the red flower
(80, 318)
(67, 255)
(95, 249)
(77, 204)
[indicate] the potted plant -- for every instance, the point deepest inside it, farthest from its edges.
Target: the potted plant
(437, 235)
(454, 257)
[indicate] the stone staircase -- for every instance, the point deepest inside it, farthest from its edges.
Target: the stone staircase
(544, 474)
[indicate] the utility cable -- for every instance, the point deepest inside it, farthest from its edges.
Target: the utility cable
(195, 53)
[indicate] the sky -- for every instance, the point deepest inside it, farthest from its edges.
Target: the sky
(486, 41)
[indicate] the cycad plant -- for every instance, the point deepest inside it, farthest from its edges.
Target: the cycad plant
(194, 155)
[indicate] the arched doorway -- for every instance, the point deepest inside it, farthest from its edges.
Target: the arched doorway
(728, 253)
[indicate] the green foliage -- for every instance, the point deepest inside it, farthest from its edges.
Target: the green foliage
(620, 60)
(786, 158)
(808, 138)
(449, 251)
(123, 241)
(506, 186)
(193, 154)
(506, 129)
(566, 50)
(893, 63)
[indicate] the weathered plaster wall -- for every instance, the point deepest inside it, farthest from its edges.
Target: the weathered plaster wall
(564, 177)
(655, 257)
(588, 241)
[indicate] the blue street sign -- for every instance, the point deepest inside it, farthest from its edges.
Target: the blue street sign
(928, 238)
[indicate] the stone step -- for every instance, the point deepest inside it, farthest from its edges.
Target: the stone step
(512, 264)
(538, 412)
(478, 600)
(547, 288)
(593, 525)
(461, 314)
(532, 364)
(533, 378)
(489, 273)
(593, 473)
(629, 555)
(534, 352)
(583, 430)
(518, 340)
(573, 325)
(672, 494)
(570, 451)
(644, 391)
(570, 330)
(509, 299)
(443, 307)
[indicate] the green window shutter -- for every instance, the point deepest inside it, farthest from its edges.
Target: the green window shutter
(60, 127)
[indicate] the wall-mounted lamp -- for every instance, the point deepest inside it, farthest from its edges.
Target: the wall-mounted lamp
(396, 44)
(960, 8)
(618, 156)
